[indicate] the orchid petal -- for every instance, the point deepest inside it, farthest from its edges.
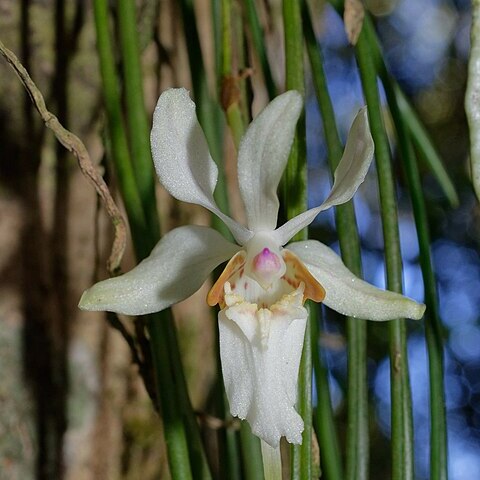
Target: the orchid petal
(176, 268)
(181, 156)
(262, 158)
(348, 294)
(260, 355)
(349, 175)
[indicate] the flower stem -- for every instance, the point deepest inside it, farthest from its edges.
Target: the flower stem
(272, 462)
(402, 423)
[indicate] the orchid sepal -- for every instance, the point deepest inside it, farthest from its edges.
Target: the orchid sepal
(181, 157)
(262, 157)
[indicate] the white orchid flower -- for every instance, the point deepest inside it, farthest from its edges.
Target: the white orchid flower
(263, 288)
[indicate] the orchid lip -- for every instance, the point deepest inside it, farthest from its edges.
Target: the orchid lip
(264, 279)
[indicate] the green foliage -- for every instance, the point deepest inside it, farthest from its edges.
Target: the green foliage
(230, 66)
(229, 49)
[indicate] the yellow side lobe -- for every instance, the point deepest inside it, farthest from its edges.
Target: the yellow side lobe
(297, 272)
(216, 293)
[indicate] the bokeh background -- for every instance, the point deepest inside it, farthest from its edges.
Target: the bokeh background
(426, 46)
(72, 405)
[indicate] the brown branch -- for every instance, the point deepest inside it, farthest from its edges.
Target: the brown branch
(74, 145)
(215, 423)
(117, 324)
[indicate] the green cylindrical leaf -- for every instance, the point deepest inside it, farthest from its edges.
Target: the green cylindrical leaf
(116, 130)
(409, 130)
(145, 236)
(295, 202)
(259, 46)
(138, 126)
(357, 454)
(402, 423)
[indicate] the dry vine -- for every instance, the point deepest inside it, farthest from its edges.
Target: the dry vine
(74, 145)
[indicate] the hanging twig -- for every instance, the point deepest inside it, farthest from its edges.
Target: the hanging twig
(74, 145)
